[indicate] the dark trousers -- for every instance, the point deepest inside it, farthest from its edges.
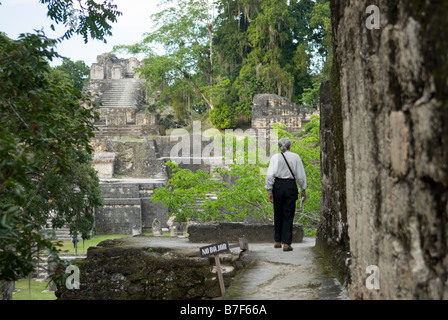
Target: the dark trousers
(285, 196)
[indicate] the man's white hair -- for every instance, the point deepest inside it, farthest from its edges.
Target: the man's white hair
(284, 144)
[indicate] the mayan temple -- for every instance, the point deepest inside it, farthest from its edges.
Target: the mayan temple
(131, 149)
(117, 86)
(126, 157)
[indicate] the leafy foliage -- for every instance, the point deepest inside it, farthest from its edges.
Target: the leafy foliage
(269, 47)
(184, 71)
(310, 96)
(45, 128)
(238, 192)
(84, 17)
(222, 116)
(250, 47)
(201, 196)
(77, 72)
(44, 151)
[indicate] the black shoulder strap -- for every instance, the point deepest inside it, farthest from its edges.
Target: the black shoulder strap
(288, 166)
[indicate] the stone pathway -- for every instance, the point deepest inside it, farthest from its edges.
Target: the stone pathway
(277, 275)
(270, 274)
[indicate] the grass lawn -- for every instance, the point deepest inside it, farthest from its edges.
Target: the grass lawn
(83, 245)
(37, 290)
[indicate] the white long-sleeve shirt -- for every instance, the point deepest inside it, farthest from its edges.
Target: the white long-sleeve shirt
(279, 169)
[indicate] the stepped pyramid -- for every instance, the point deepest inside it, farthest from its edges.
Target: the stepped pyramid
(126, 156)
(119, 91)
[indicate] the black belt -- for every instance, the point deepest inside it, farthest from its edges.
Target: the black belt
(285, 179)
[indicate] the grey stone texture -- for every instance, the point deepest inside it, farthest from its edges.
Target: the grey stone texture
(149, 268)
(137, 159)
(103, 162)
(6, 289)
(116, 87)
(261, 233)
(269, 109)
(394, 105)
(332, 232)
(128, 208)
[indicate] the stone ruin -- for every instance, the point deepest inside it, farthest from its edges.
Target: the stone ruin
(130, 155)
(127, 161)
(269, 109)
(131, 149)
(116, 85)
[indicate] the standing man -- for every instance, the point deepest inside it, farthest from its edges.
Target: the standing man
(284, 172)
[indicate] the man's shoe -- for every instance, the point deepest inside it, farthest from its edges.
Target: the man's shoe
(287, 247)
(277, 245)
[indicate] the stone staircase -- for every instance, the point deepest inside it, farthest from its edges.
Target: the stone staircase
(61, 234)
(133, 131)
(122, 93)
(44, 269)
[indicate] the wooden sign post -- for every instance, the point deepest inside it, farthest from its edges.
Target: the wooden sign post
(215, 250)
(220, 277)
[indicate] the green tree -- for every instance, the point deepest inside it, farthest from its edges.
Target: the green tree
(267, 47)
(320, 22)
(45, 129)
(185, 70)
(246, 195)
(87, 18)
(77, 72)
(310, 97)
(186, 194)
(45, 152)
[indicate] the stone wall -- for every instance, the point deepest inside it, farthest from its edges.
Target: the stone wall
(332, 232)
(110, 67)
(137, 159)
(121, 99)
(394, 97)
(260, 233)
(269, 109)
(128, 208)
(103, 162)
(125, 270)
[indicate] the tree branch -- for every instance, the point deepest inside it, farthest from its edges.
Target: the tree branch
(18, 116)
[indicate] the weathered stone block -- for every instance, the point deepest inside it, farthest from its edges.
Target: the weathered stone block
(233, 231)
(138, 159)
(116, 72)
(103, 162)
(143, 118)
(96, 72)
(119, 217)
(332, 232)
(269, 109)
(121, 270)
